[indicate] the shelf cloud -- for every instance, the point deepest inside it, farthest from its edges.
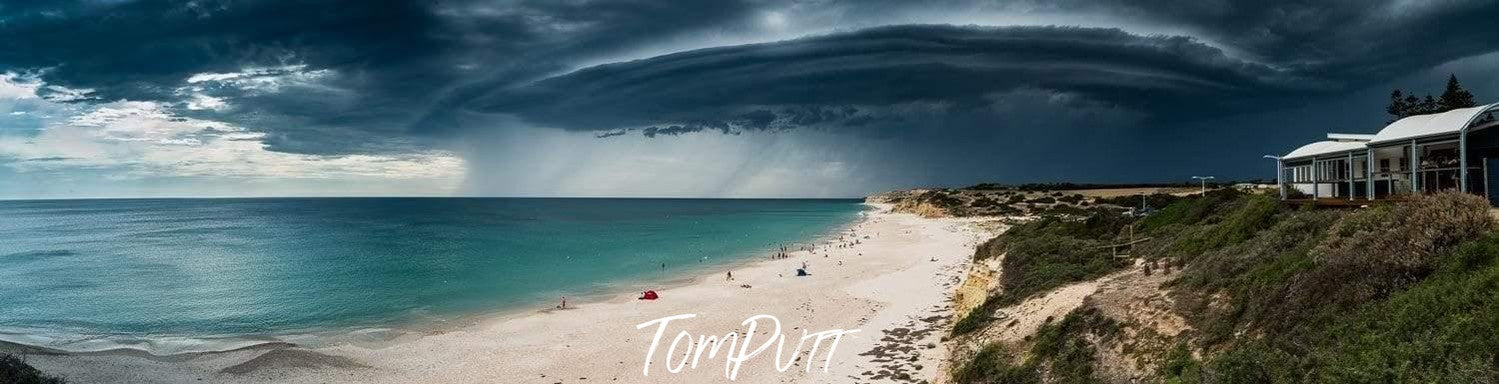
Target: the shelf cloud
(974, 91)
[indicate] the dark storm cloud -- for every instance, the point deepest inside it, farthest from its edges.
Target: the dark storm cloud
(1316, 37)
(399, 73)
(1334, 38)
(140, 49)
(391, 61)
(145, 50)
(820, 80)
(1282, 54)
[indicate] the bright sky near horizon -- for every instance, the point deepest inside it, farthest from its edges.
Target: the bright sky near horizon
(721, 98)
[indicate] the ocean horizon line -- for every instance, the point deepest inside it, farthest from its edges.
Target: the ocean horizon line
(5, 199)
(329, 270)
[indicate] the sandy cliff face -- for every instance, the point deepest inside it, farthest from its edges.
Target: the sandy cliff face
(1132, 299)
(1137, 302)
(892, 197)
(1142, 309)
(979, 281)
(924, 210)
(1148, 324)
(915, 201)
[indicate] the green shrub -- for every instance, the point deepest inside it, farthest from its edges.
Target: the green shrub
(1253, 363)
(976, 318)
(1064, 347)
(1065, 210)
(1048, 261)
(1262, 258)
(1060, 352)
(1046, 253)
(1035, 261)
(1257, 212)
(988, 187)
(1408, 293)
(1440, 330)
(1153, 201)
(1097, 224)
(13, 370)
(1239, 219)
(993, 365)
(1404, 293)
(1071, 199)
(1253, 274)
(1293, 193)
(1371, 258)
(1180, 367)
(1042, 200)
(1191, 210)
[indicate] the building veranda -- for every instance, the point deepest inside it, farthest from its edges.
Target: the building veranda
(1453, 150)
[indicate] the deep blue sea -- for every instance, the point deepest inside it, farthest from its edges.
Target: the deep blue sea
(177, 275)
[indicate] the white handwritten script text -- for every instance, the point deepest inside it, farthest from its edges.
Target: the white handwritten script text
(738, 351)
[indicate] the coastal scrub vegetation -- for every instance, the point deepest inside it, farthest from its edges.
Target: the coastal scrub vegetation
(1152, 201)
(984, 202)
(1061, 351)
(1404, 293)
(1047, 187)
(1048, 252)
(1274, 294)
(14, 370)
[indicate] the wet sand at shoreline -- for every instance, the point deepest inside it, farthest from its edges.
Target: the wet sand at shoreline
(893, 286)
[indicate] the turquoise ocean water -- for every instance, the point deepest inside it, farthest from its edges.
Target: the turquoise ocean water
(177, 275)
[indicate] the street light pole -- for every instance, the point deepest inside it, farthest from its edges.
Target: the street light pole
(1279, 185)
(1204, 180)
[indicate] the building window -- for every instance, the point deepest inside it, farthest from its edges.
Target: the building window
(1302, 174)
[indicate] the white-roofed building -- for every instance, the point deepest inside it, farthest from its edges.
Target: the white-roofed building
(1454, 150)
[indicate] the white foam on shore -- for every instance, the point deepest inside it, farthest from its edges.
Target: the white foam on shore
(162, 345)
(83, 342)
(881, 284)
(79, 340)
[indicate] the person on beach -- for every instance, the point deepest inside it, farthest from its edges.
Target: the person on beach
(730, 276)
(564, 303)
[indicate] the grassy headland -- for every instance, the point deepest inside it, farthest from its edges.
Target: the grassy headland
(1268, 294)
(1026, 199)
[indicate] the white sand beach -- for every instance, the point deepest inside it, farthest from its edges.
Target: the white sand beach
(894, 287)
